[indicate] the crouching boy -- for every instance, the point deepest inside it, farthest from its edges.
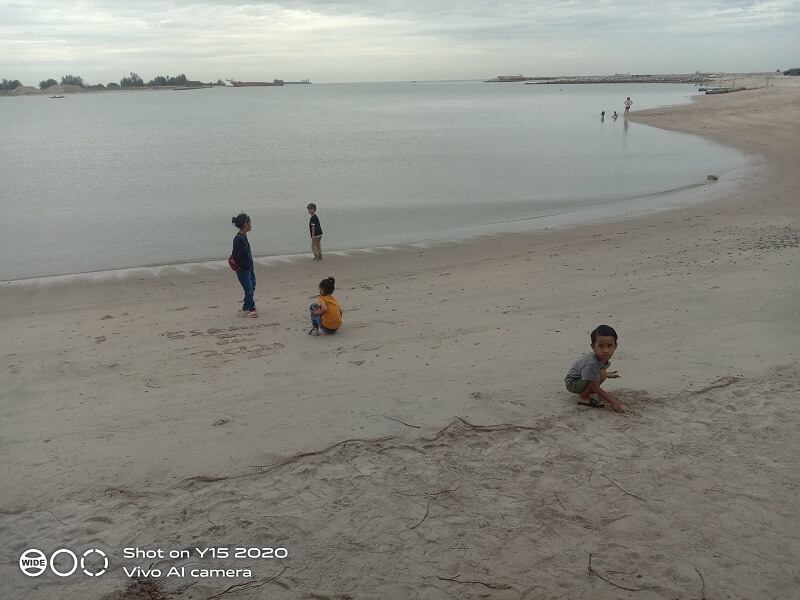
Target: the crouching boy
(589, 372)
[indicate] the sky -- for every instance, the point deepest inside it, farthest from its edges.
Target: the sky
(391, 40)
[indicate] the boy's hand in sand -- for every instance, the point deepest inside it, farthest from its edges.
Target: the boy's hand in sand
(612, 374)
(616, 405)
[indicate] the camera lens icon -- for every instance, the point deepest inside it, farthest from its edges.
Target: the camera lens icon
(99, 571)
(63, 562)
(33, 562)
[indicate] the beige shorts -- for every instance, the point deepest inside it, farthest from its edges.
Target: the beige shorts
(576, 386)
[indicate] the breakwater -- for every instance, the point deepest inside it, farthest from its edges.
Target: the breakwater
(694, 79)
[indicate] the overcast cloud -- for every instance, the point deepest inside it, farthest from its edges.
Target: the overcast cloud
(385, 40)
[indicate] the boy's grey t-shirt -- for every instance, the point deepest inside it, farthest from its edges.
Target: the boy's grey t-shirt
(586, 367)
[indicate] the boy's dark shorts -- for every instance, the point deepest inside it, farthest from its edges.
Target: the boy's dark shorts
(576, 386)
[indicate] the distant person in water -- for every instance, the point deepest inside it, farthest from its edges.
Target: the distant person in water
(627, 104)
(242, 256)
(315, 229)
(602, 115)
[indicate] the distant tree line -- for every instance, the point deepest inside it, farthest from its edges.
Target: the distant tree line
(162, 80)
(133, 81)
(10, 85)
(795, 71)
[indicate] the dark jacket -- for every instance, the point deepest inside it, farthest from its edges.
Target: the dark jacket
(314, 220)
(241, 252)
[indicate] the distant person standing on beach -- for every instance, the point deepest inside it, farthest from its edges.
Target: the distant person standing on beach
(316, 232)
(243, 258)
(627, 104)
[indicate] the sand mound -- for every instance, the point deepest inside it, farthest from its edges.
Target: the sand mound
(64, 89)
(24, 90)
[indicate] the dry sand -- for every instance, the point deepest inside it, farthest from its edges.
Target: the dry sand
(429, 450)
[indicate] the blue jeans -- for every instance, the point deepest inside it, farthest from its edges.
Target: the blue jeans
(316, 320)
(248, 280)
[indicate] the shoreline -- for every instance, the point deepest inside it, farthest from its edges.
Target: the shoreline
(620, 210)
(430, 442)
(602, 181)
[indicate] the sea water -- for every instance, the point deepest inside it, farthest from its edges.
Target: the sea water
(115, 180)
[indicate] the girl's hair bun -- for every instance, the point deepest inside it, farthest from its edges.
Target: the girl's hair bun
(328, 285)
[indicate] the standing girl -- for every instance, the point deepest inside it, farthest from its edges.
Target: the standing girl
(243, 258)
(326, 314)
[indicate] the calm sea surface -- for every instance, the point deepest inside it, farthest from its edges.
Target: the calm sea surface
(115, 180)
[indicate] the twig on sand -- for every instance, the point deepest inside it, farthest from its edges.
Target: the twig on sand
(480, 428)
(207, 478)
(434, 497)
(622, 587)
(248, 585)
(297, 457)
(55, 517)
(719, 383)
(703, 579)
(629, 494)
(402, 422)
(427, 510)
(488, 585)
(264, 469)
(294, 458)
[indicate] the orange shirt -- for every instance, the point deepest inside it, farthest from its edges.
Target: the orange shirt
(331, 318)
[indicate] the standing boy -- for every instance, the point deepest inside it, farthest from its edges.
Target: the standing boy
(589, 372)
(627, 104)
(316, 232)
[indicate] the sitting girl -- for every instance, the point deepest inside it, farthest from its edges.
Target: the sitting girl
(326, 314)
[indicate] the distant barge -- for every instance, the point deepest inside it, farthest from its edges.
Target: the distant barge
(256, 83)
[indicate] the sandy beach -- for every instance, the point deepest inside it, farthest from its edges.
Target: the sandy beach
(429, 449)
